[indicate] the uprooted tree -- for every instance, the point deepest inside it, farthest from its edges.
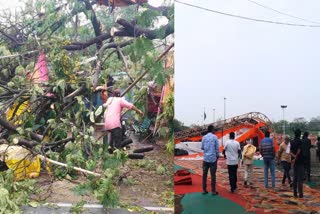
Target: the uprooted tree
(83, 42)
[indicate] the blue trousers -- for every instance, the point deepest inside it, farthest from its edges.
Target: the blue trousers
(269, 164)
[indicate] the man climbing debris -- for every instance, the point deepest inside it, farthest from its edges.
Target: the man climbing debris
(114, 106)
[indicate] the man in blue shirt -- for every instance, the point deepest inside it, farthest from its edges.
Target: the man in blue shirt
(210, 145)
(268, 154)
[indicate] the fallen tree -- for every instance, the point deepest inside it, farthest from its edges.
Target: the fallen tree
(82, 45)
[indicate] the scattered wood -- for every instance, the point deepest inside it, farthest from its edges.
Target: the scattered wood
(126, 142)
(136, 156)
(144, 149)
(65, 165)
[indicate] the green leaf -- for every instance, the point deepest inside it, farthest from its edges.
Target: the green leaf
(34, 204)
(78, 208)
(147, 18)
(3, 192)
(82, 189)
(92, 117)
(160, 170)
(98, 111)
(38, 89)
(20, 130)
(15, 140)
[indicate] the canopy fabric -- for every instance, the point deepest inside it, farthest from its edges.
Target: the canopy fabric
(40, 73)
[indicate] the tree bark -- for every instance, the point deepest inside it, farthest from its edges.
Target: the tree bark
(11, 127)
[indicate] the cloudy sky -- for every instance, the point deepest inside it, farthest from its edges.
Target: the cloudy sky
(256, 66)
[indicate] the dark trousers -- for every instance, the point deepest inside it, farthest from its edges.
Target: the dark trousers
(286, 169)
(213, 169)
(116, 137)
(307, 168)
(298, 176)
(232, 170)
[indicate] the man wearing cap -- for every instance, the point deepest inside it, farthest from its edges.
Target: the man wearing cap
(112, 116)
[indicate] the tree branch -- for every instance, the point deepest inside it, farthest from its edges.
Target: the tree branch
(129, 30)
(11, 127)
(11, 38)
(26, 143)
(73, 94)
(95, 23)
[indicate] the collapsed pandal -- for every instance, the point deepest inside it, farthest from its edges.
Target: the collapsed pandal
(251, 125)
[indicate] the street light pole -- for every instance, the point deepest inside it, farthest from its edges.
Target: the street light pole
(284, 124)
(214, 115)
(224, 117)
(224, 108)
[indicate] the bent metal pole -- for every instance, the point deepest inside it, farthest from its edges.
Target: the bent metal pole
(144, 73)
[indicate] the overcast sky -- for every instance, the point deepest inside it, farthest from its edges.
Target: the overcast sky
(256, 66)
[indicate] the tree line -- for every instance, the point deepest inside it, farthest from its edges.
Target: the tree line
(312, 126)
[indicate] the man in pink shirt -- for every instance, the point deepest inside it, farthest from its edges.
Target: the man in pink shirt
(112, 116)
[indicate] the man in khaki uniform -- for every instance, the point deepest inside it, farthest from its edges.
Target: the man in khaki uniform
(247, 161)
(285, 159)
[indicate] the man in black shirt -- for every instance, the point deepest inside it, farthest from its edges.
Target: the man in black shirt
(317, 144)
(305, 150)
(298, 164)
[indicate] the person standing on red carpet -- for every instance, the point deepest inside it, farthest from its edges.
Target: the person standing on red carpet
(232, 152)
(210, 145)
(267, 151)
(285, 159)
(247, 160)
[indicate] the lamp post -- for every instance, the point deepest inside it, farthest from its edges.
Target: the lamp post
(224, 104)
(214, 115)
(224, 117)
(284, 124)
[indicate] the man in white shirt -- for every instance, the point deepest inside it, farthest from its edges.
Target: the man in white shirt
(232, 152)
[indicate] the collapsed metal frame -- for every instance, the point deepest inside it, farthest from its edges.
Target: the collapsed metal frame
(251, 119)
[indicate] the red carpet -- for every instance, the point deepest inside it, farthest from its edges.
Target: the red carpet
(256, 199)
(197, 187)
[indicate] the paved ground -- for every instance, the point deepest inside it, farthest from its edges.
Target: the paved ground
(88, 209)
(65, 210)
